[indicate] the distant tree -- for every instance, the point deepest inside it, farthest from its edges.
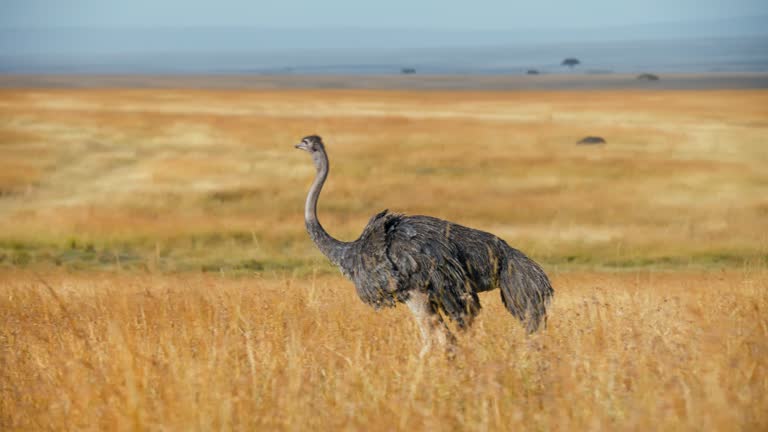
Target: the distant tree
(570, 62)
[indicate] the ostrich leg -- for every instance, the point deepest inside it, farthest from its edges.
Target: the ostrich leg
(430, 323)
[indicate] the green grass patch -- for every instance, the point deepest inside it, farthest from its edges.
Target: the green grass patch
(700, 260)
(247, 253)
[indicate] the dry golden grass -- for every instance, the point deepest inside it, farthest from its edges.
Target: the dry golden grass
(146, 185)
(630, 351)
(193, 178)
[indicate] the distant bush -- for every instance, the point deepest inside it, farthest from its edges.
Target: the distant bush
(648, 77)
(532, 72)
(591, 140)
(407, 71)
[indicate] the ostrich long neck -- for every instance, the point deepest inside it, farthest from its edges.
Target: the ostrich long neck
(329, 246)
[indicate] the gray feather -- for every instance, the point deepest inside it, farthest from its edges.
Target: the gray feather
(451, 262)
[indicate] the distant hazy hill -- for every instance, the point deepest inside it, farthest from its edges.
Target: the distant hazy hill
(20, 41)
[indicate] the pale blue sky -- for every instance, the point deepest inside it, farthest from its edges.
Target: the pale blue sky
(427, 14)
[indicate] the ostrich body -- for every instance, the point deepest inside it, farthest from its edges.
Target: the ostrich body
(429, 264)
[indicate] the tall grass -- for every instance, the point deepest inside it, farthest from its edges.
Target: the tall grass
(156, 185)
(633, 351)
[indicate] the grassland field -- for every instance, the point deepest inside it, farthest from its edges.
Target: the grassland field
(155, 273)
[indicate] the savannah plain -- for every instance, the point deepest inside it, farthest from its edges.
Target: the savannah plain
(155, 273)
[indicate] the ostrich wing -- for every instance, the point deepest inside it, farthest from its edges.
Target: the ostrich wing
(396, 254)
(421, 249)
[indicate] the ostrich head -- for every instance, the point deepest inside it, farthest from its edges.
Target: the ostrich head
(311, 144)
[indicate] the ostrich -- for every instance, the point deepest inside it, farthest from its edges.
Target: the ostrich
(429, 264)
